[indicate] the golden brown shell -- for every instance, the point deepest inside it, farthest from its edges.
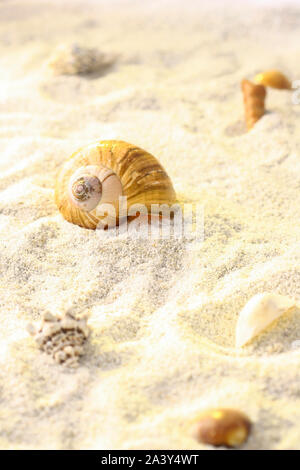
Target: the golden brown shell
(274, 79)
(254, 102)
(143, 179)
(223, 427)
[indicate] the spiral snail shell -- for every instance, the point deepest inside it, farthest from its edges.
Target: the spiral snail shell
(91, 182)
(254, 102)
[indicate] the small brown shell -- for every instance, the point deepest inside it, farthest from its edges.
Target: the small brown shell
(273, 79)
(254, 102)
(125, 169)
(223, 427)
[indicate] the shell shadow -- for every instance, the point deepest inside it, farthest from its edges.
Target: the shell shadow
(103, 70)
(239, 127)
(94, 357)
(236, 129)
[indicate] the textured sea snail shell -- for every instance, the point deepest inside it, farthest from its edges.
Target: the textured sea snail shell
(90, 183)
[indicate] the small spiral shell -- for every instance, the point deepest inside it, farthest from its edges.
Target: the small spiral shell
(91, 182)
(254, 102)
(273, 79)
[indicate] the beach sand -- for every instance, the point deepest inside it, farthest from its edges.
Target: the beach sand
(162, 312)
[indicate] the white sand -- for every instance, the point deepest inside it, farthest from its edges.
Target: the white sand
(163, 314)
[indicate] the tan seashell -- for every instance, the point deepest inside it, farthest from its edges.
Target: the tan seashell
(90, 183)
(77, 60)
(258, 313)
(273, 79)
(254, 102)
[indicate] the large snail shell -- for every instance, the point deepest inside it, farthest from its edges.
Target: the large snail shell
(94, 178)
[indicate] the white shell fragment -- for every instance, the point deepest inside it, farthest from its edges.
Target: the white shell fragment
(258, 313)
(75, 60)
(62, 337)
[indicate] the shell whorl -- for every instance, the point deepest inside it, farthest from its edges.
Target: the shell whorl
(85, 190)
(92, 180)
